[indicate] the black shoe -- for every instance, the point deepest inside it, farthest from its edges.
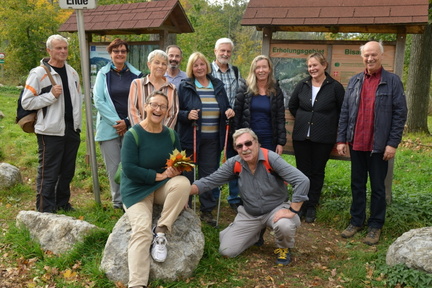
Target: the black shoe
(206, 216)
(234, 206)
(302, 212)
(67, 208)
(310, 215)
(260, 241)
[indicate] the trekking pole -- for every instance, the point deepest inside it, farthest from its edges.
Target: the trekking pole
(195, 126)
(227, 128)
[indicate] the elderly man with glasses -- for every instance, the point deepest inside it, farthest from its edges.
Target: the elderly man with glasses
(264, 194)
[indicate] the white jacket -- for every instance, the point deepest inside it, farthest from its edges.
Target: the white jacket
(37, 95)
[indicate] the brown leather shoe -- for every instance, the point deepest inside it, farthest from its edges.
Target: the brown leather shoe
(373, 236)
(350, 231)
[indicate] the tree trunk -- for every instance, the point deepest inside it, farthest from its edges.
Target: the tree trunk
(418, 83)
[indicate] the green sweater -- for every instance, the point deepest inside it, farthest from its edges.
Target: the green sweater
(141, 163)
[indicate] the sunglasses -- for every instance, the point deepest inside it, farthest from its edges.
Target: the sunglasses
(119, 51)
(247, 144)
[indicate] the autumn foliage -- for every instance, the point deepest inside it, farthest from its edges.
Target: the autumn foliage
(180, 160)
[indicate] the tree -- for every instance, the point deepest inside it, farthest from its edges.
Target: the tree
(25, 27)
(419, 77)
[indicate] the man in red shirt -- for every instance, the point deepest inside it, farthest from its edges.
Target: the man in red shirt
(372, 120)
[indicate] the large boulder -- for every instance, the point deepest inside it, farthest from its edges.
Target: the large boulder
(54, 232)
(9, 175)
(413, 248)
(185, 249)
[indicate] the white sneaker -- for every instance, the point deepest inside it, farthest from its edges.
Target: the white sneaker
(159, 250)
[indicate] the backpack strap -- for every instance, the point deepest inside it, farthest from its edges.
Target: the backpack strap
(236, 72)
(134, 133)
(266, 161)
(47, 70)
(171, 131)
(238, 167)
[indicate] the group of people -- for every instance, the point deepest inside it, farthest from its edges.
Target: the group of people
(208, 108)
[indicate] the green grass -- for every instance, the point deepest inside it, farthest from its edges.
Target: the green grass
(360, 266)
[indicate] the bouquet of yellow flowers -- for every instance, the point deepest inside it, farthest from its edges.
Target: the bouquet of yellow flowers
(180, 160)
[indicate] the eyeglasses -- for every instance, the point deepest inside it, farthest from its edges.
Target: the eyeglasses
(119, 51)
(247, 144)
(161, 107)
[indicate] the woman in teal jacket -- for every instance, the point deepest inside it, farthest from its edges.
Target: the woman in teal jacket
(110, 96)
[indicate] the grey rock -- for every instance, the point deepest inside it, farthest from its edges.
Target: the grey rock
(185, 249)
(54, 232)
(413, 248)
(9, 175)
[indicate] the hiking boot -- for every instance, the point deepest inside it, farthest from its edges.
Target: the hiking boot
(350, 231)
(206, 216)
(284, 256)
(159, 250)
(310, 215)
(372, 236)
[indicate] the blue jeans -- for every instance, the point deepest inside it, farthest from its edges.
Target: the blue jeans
(362, 164)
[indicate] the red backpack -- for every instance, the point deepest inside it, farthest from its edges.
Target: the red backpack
(238, 167)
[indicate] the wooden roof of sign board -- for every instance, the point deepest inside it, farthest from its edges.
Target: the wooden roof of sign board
(348, 16)
(133, 18)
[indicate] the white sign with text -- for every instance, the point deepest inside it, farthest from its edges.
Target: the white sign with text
(78, 4)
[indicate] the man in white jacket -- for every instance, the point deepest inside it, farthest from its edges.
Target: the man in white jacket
(58, 125)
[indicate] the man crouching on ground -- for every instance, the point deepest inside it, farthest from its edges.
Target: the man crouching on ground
(264, 196)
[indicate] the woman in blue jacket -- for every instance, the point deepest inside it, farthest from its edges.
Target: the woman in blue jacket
(110, 96)
(203, 102)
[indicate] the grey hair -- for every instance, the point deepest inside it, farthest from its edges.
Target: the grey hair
(380, 44)
(155, 53)
(242, 131)
(55, 37)
(224, 41)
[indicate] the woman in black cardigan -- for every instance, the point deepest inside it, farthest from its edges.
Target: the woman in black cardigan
(259, 105)
(316, 104)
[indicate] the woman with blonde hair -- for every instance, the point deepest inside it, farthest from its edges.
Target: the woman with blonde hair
(203, 102)
(259, 105)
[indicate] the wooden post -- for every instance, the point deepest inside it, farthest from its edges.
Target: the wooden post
(398, 70)
(267, 37)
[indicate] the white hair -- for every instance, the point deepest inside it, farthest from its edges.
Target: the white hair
(55, 37)
(155, 53)
(224, 41)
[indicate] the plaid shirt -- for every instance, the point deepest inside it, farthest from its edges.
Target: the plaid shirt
(363, 135)
(229, 79)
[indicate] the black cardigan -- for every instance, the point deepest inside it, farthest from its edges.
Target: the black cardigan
(323, 116)
(242, 112)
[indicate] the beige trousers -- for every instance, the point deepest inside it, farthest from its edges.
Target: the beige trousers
(173, 196)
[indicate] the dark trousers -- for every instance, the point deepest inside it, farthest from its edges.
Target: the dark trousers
(311, 159)
(233, 196)
(362, 164)
(208, 157)
(57, 157)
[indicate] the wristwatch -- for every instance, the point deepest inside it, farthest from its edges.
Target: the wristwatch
(292, 210)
